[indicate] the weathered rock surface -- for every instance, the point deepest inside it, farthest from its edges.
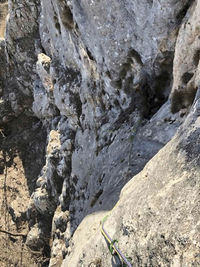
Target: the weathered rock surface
(98, 77)
(22, 46)
(186, 67)
(157, 217)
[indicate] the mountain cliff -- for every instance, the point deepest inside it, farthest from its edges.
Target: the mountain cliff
(100, 106)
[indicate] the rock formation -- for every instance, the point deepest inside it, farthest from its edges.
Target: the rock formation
(104, 99)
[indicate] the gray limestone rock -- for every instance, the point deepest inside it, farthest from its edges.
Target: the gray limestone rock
(156, 220)
(22, 45)
(98, 76)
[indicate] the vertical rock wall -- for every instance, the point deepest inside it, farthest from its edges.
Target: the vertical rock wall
(98, 76)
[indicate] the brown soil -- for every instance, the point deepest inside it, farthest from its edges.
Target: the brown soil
(22, 145)
(3, 14)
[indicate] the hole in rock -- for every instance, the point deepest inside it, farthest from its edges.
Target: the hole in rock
(196, 57)
(67, 18)
(187, 76)
(89, 54)
(181, 14)
(96, 197)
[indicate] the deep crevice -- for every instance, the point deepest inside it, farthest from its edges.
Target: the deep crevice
(181, 14)
(186, 77)
(196, 57)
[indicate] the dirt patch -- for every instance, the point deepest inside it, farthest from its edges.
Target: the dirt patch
(3, 15)
(14, 198)
(22, 147)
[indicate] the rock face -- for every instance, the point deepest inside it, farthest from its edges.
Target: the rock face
(186, 65)
(99, 78)
(156, 220)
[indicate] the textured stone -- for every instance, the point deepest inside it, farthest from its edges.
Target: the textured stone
(34, 239)
(186, 62)
(2, 66)
(43, 105)
(98, 77)
(156, 220)
(22, 45)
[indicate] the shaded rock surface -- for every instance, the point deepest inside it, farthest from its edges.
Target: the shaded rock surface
(97, 77)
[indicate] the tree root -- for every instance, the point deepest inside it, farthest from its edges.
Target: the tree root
(13, 234)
